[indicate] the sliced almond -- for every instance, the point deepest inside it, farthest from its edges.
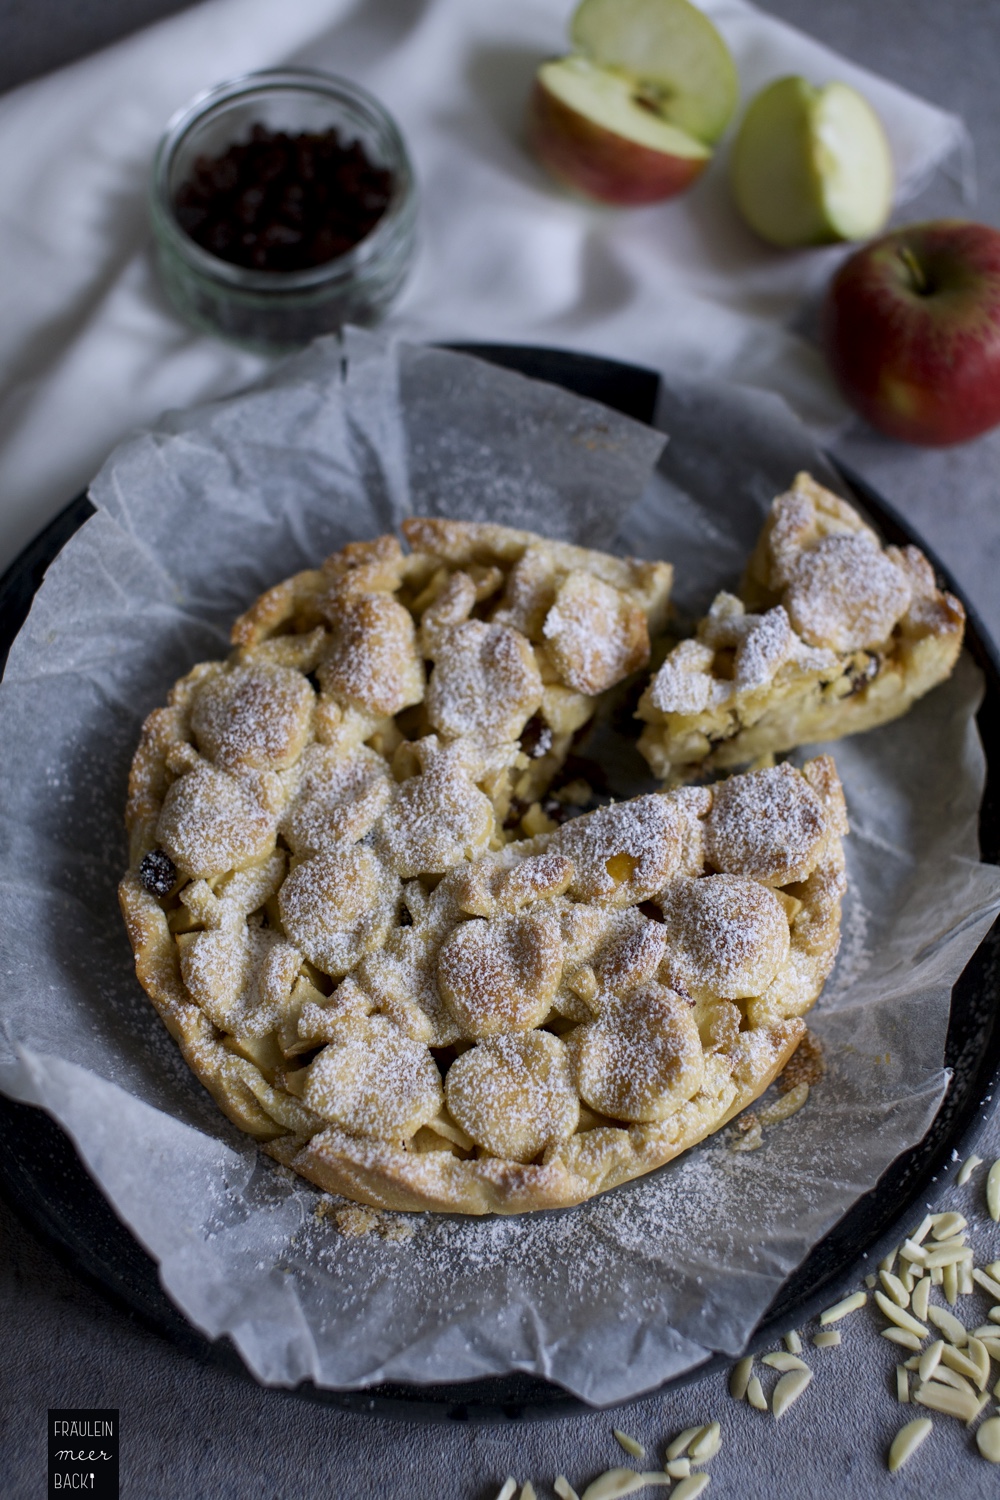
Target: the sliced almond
(682, 1441)
(943, 1399)
(614, 1483)
(755, 1395)
(986, 1282)
(782, 1361)
(948, 1224)
(841, 1309)
(901, 1317)
(689, 1488)
(979, 1356)
(993, 1192)
(706, 1445)
(739, 1377)
(949, 1325)
(907, 1441)
(895, 1288)
(930, 1359)
(988, 1440)
(946, 1376)
(789, 1389)
(960, 1363)
(901, 1336)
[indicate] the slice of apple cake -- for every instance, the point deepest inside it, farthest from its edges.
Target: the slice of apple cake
(831, 633)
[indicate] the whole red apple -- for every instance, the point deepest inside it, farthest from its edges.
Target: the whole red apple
(911, 328)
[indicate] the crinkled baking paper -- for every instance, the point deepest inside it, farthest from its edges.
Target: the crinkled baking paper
(194, 518)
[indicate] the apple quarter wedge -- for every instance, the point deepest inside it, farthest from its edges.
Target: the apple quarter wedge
(812, 165)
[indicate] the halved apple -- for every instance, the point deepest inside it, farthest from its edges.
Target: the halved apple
(811, 165)
(587, 127)
(669, 48)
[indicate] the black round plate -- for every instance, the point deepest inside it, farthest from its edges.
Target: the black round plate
(43, 1178)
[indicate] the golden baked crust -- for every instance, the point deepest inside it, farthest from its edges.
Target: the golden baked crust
(831, 634)
(399, 998)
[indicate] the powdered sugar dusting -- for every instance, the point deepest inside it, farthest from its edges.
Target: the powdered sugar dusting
(846, 594)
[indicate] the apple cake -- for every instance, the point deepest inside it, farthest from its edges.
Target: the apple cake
(406, 987)
(831, 633)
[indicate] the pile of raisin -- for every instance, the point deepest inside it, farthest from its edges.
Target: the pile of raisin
(281, 202)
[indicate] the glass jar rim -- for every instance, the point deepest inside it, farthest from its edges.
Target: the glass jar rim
(278, 283)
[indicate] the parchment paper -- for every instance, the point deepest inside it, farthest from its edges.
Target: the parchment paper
(195, 517)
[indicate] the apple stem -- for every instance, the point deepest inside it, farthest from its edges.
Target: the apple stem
(920, 283)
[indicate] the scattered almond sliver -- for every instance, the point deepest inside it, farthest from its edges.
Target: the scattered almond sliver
(895, 1288)
(967, 1168)
(949, 1325)
(755, 1395)
(841, 1309)
(789, 1389)
(706, 1445)
(784, 1362)
(739, 1377)
(945, 1399)
(681, 1442)
(900, 1316)
(907, 1441)
(630, 1444)
(993, 1191)
(902, 1336)
(506, 1491)
(614, 1483)
(828, 1339)
(988, 1440)
(564, 1489)
(689, 1488)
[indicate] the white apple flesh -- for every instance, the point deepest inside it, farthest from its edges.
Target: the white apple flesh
(589, 129)
(671, 49)
(812, 166)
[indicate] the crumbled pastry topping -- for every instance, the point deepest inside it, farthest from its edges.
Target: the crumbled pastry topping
(515, 1094)
(254, 717)
(845, 593)
(642, 1058)
(726, 936)
(596, 635)
(371, 661)
(767, 825)
(412, 997)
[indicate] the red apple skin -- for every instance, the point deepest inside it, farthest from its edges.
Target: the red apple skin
(911, 329)
(599, 163)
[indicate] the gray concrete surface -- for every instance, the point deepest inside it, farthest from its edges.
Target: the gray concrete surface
(189, 1431)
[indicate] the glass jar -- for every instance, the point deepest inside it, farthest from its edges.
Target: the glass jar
(275, 311)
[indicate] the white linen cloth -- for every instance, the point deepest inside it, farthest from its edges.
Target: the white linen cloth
(89, 348)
